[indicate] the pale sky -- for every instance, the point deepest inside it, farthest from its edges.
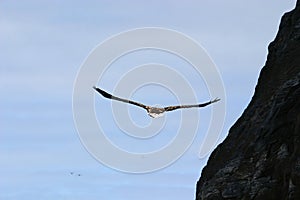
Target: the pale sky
(43, 45)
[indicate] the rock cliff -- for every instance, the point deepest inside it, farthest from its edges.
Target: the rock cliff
(260, 158)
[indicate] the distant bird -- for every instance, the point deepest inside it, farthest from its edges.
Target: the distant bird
(154, 111)
(73, 174)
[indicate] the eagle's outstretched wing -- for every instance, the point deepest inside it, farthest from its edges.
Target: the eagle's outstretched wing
(110, 96)
(170, 108)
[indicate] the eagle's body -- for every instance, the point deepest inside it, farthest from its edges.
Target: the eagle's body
(153, 111)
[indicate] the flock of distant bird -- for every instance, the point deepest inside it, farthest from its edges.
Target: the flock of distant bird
(74, 174)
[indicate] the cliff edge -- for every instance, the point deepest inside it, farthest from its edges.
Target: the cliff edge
(260, 158)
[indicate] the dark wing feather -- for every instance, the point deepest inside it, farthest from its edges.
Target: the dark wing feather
(171, 108)
(110, 96)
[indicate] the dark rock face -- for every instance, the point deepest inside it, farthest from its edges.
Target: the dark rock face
(260, 158)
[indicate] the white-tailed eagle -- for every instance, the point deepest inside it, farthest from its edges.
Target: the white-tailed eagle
(154, 111)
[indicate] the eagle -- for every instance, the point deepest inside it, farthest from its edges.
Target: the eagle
(154, 112)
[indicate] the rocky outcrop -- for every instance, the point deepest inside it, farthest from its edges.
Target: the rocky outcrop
(260, 158)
